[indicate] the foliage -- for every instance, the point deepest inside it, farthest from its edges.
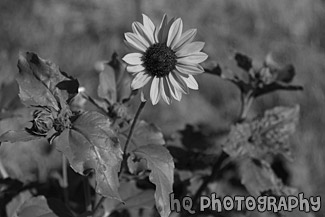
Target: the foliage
(124, 163)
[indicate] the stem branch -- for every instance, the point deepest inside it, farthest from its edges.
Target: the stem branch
(91, 100)
(215, 170)
(246, 102)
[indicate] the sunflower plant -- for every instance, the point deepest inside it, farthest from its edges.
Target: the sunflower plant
(126, 165)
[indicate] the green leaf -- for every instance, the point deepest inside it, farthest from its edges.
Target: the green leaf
(258, 177)
(107, 84)
(9, 99)
(114, 81)
(133, 197)
(161, 164)
(264, 135)
(92, 145)
(30, 161)
(147, 134)
(17, 136)
(144, 134)
(143, 199)
(17, 202)
(40, 207)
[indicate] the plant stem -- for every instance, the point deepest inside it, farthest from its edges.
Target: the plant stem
(215, 170)
(65, 179)
(137, 114)
(87, 193)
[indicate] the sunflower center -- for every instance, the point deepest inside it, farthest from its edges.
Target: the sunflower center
(159, 60)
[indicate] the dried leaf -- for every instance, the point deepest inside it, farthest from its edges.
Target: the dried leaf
(41, 83)
(31, 90)
(263, 135)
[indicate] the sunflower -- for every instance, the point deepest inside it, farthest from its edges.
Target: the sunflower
(165, 59)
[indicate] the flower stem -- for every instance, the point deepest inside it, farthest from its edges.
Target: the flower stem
(65, 179)
(137, 114)
(123, 164)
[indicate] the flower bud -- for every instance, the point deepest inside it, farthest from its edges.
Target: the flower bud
(265, 76)
(42, 122)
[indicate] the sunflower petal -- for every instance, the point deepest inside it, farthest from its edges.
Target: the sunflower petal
(133, 58)
(177, 82)
(136, 41)
(174, 91)
(190, 48)
(194, 58)
(164, 91)
(161, 33)
(144, 32)
(190, 82)
(142, 97)
(148, 24)
(189, 69)
(187, 37)
(145, 91)
(164, 27)
(155, 91)
(140, 80)
(175, 32)
(135, 69)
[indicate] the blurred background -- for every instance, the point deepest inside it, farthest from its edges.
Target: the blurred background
(75, 34)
